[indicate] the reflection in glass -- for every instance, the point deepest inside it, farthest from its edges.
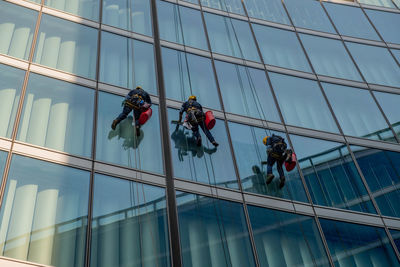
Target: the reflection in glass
(271, 10)
(363, 119)
(195, 78)
(3, 158)
(206, 163)
(286, 239)
(57, 115)
(233, 6)
(396, 237)
(390, 104)
(122, 146)
(44, 213)
(385, 3)
(245, 91)
(129, 224)
(358, 245)
(387, 23)
(17, 26)
(132, 15)
(396, 54)
(331, 175)
(302, 103)
(213, 232)
(127, 62)
(250, 152)
(11, 81)
(84, 8)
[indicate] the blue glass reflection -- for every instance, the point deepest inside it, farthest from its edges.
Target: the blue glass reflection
(233, 6)
(390, 103)
(387, 23)
(271, 10)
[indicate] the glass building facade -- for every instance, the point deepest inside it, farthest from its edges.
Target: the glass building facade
(325, 75)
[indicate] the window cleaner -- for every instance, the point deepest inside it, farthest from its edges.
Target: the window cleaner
(139, 101)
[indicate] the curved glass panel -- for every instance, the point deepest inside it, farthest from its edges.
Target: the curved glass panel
(213, 232)
(206, 163)
(250, 152)
(245, 91)
(127, 62)
(233, 6)
(357, 112)
(358, 245)
(287, 240)
(390, 104)
(57, 115)
(44, 213)
(302, 103)
(17, 26)
(387, 24)
(129, 224)
(329, 57)
(376, 64)
(132, 15)
(331, 175)
(280, 48)
(271, 10)
(84, 8)
(67, 46)
(11, 81)
(195, 78)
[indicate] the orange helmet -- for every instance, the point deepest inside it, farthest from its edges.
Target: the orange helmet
(265, 140)
(192, 97)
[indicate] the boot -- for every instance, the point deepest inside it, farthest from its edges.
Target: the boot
(137, 130)
(270, 176)
(199, 142)
(282, 183)
(215, 143)
(114, 124)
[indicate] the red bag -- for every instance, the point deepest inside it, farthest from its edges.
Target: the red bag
(210, 120)
(145, 116)
(289, 165)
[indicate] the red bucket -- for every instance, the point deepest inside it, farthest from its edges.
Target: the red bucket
(290, 165)
(210, 120)
(145, 116)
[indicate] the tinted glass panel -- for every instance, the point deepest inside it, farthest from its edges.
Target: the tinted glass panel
(287, 240)
(121, 57)
(357, 112)
(44, 213)
(390, 104)
(376, 64)
(280, 48)
(396, 238)
(302, 103)
(67, 46)
(267, 10)
(205, 164)
(396, 53)
(213, 232)
(385, 3)
(11, 81)
(358, 245)
(17, 26)
(194, 78)
(329, 57)
(121, 146)
(250, 152)
(3, 158)
(129, 224)
(331, 175)
(387, 24)
(231, 37)
(245, 91)
(85, 8)
(233, 6)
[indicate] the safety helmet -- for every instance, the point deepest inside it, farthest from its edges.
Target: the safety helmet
(192, 97)
(265, 140)
(139, 87)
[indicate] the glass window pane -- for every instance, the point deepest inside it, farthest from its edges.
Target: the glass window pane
(376, 64)
(17, 26)
(387, 24)
(289, 239)
(132, 15)
(121, 57)
(280, 48)
(231, 37)
(250, 152)
(44, 213)
(302, 103)
(381, 169)
(233, 6)
(195, 78)
(271, 10)
(3, 158)
(396, 237)
(175, 20)
(396, 53)
(206, 163)
(11, 81)
(67, 46)
(85, 8)
(329, 57)
(121, 146)
(309, 14)
(331, 175)
(351, 21)
(357, 112)
(385, 3)
(213, 232)
(351, 244)
(246, 91)
(390, 104)
(57, 115)
(129, 224)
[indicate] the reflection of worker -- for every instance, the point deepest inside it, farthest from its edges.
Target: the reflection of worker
(276, 151)
(137, 100)
(194, 118)
(125, 132)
